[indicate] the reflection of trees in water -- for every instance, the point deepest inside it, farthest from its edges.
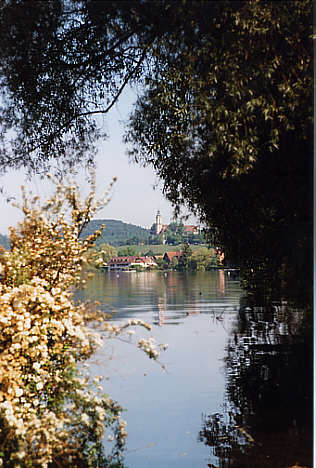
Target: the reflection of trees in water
(267, 417)
(115, 289)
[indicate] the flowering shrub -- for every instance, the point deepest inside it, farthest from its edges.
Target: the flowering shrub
(51, 414)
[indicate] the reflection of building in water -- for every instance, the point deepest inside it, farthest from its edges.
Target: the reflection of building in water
(221, 289)
(161, 310)
(193, 309)
(173, 288)
(147, 281)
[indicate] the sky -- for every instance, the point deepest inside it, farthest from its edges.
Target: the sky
(134, 198)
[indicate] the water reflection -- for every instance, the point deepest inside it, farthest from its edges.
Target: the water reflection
(266, 419)
(193, 313)
(221, 282)
(258, 405)
(171, 296)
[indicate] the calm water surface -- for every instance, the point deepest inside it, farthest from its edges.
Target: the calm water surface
(212, 404)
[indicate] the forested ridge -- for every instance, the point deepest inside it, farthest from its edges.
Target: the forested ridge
(115, 232)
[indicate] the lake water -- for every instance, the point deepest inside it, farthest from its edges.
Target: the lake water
(220, 400)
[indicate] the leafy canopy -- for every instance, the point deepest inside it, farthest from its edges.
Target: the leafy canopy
(62, 63)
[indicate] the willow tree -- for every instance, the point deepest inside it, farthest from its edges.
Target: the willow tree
(226, 121)
(63, 63)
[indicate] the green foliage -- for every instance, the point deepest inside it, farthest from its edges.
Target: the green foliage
(154, 240)
(203, 259)
(184, 261)
(138, 268)
(175, 263)
(160, 262)
(98, 255)
(226, 73)
(152, 230)
(129, 250)
(173, 238)
(176, 235)
(173, 227)
(107, 251)
(161, 249)
(149, 253)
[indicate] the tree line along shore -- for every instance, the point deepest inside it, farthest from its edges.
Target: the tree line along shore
(156, 257)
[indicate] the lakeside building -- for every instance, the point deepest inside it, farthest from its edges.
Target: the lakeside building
(221, 255)
(169, 256)
(127, 262)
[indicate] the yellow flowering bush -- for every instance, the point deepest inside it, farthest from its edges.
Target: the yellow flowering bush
(51, 414)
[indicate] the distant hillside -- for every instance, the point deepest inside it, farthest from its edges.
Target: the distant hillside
(4, 241)
(116, 232)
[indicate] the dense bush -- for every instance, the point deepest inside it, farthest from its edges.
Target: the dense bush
(51, 414)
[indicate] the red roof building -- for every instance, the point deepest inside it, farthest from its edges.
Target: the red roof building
(191, 229)
(170, 255)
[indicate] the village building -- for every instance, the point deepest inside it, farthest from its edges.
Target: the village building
(158, 256)
(127, 262)
(169, 256)
(220, 254)
(191, 229)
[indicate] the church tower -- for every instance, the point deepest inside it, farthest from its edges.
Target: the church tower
(158, 223)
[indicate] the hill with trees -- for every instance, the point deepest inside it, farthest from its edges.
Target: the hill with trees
(117, 232)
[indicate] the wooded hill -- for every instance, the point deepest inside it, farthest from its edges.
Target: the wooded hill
(116, 232)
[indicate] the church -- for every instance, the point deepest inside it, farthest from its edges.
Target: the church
(160, 228)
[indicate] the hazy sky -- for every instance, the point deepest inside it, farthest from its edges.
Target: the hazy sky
(134, 199)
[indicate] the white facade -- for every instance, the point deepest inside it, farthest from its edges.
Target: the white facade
(158, 223)
(126, 262)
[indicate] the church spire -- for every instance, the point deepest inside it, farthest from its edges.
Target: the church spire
(158, 223)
